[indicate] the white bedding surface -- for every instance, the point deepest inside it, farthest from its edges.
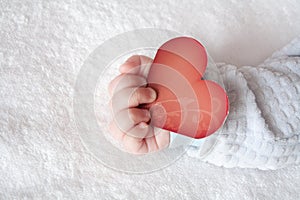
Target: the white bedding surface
(43, 45)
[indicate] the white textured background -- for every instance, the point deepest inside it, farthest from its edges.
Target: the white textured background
(42, 46)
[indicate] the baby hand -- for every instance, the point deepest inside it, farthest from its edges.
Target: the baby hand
(130, 123)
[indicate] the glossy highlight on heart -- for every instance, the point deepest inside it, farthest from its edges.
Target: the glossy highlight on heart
(186, 104)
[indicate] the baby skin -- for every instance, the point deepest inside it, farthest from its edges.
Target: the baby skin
(130, 125)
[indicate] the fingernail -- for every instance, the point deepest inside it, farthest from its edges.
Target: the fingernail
(152, 94)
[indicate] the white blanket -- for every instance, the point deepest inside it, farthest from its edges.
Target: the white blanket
(43, 45)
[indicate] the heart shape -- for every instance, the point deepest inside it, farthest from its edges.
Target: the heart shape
(185, 104)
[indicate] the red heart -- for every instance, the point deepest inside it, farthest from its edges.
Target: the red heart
(185, 103)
